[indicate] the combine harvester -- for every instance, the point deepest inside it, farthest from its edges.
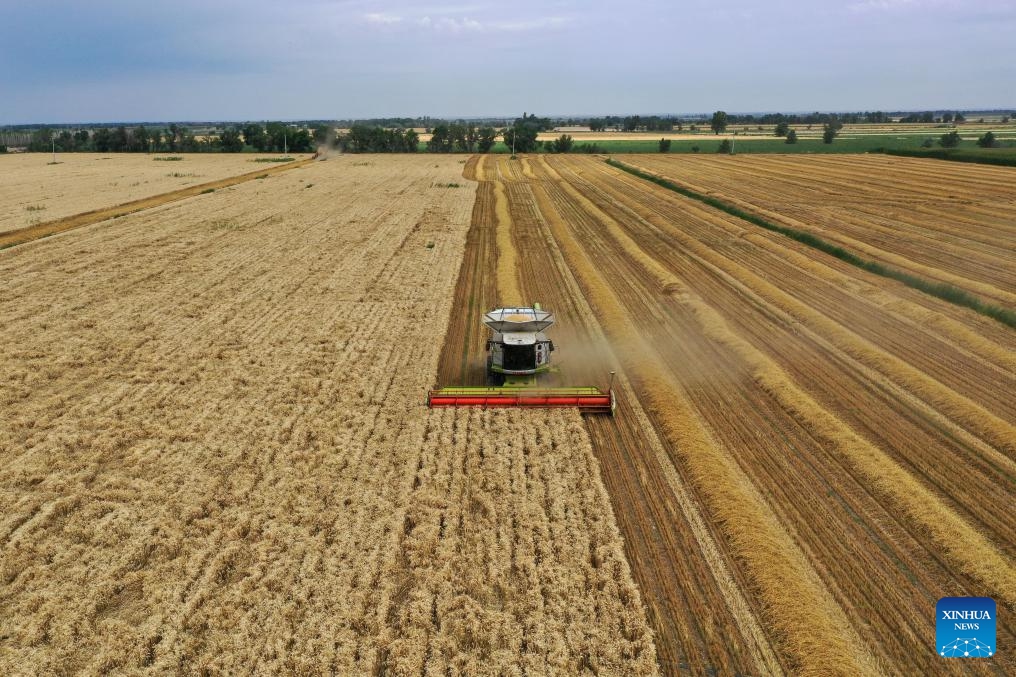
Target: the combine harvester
(517, 354)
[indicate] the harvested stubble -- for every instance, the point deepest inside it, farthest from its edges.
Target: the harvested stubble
(949, 223)
(216, 456)
(86, 181)
(803, 616)
(836, 428)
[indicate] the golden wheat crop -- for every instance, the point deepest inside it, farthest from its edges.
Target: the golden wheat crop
(216, 456)
(848, 440)
(35, 191)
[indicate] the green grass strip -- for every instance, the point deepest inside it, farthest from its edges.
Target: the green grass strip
(941, 290)
(1005, 157)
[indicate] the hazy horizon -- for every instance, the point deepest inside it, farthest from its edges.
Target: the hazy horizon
(115, 61)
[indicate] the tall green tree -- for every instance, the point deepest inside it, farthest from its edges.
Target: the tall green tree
(254, 136)
(321, 133)
(139, 139)
(65, 142)
(830, 129)
(782, 128)
(300, 141)
(278, 137)
(987, 141)
(119, 140)
(231, 141)
(441, 140)
(42, 140)
(486, 138)
(950, 140)
(664, 145)
(102, 140)
(791, 137)
(631, 123)
(719, 122)
(563, 144)
(520, 137)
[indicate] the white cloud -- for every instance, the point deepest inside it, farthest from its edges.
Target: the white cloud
(451, 24)
(532, 24)
(890, 5)
(382, 18)
(447, 18)
(470, 25)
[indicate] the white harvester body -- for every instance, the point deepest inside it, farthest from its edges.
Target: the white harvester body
(517, 352)
(518, 345)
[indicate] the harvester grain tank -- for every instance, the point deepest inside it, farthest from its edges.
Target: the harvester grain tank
(518, 356)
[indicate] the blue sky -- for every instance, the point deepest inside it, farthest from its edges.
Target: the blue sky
(120, 60)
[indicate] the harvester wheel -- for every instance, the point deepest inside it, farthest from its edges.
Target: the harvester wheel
(494, 379)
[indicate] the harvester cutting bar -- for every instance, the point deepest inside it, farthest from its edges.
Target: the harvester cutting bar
(586, 400)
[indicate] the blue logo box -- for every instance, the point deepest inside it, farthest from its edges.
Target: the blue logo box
(965, 627)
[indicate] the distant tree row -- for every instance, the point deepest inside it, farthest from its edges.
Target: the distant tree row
(367, 139)
(952, 140)
(273, 137)
(929, 116)
(462, 138)
(389, 123)
(447, 137)
(635, 123)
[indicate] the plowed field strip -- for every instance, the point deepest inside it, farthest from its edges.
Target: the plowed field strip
(35, 232)
(858, 182)
(996, 331)
(462, 360)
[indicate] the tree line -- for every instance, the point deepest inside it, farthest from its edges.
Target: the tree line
(273, 137)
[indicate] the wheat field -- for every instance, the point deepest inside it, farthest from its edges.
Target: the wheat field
(215, 455)
(806, 456)
(34, 191)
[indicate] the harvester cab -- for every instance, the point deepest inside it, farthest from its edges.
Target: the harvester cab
(518, 349)
(518, 353)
